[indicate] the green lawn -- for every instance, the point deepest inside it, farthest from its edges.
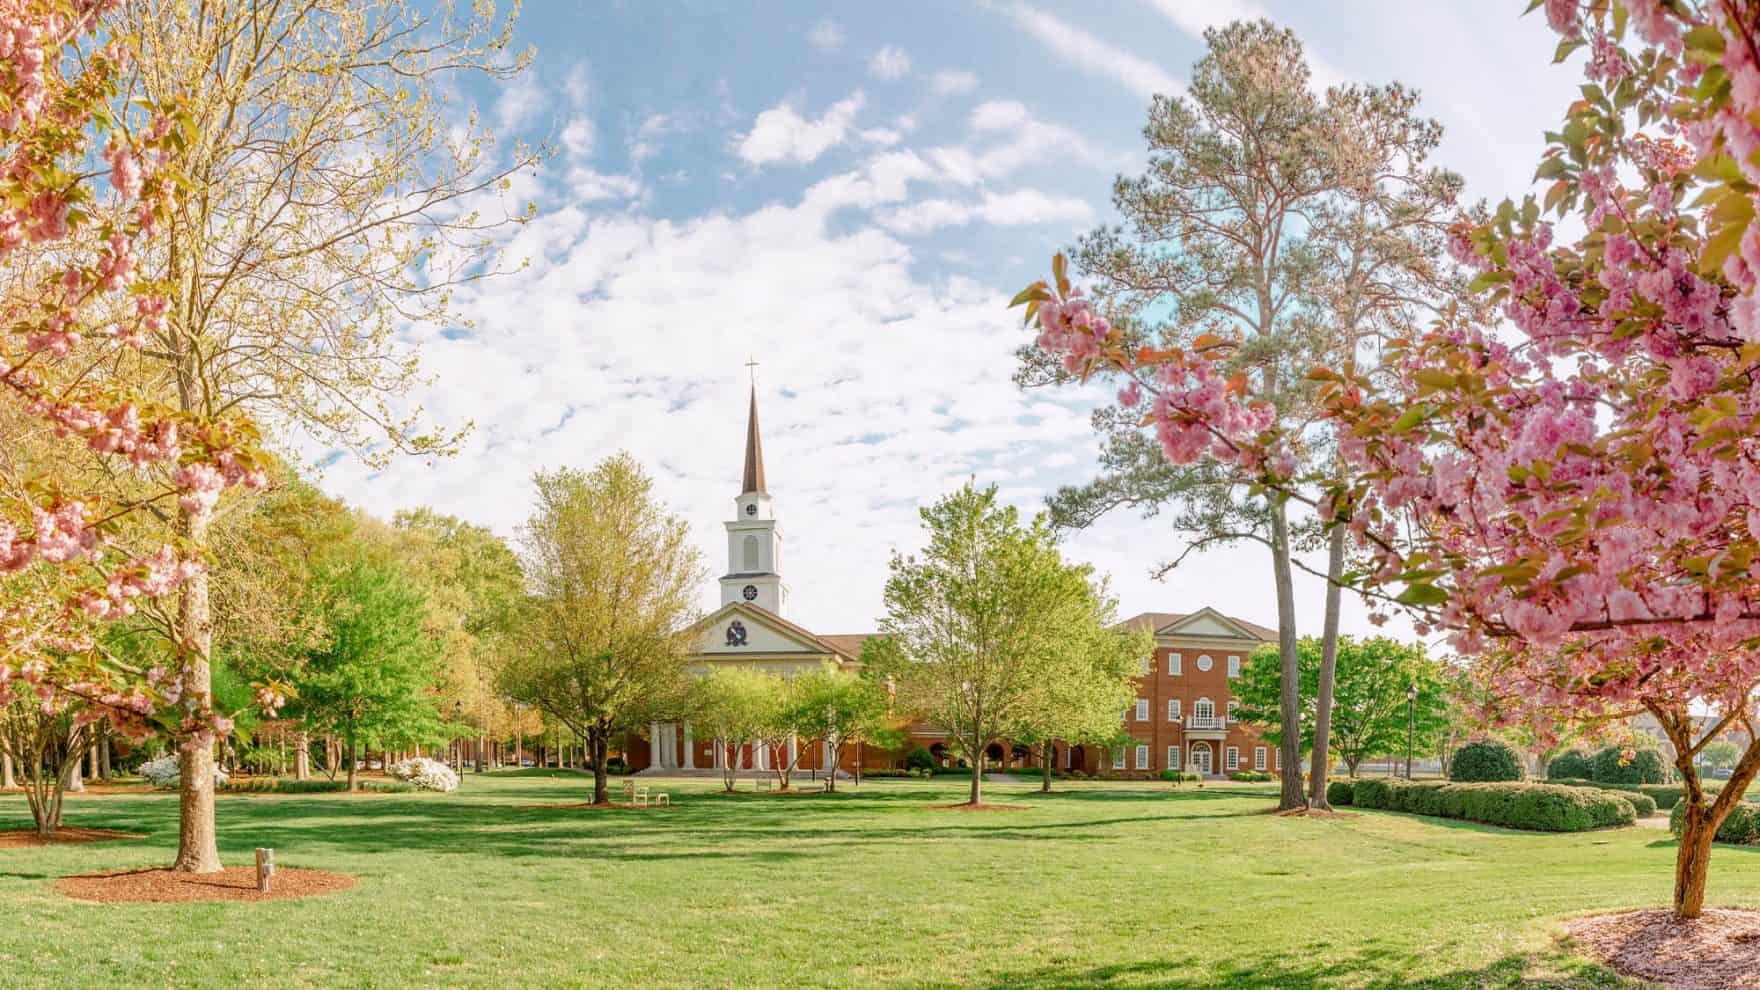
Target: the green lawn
(1103, 884)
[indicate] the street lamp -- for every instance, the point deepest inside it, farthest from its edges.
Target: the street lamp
(1411, 725)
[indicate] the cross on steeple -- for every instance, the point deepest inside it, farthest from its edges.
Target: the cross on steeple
(752, 367)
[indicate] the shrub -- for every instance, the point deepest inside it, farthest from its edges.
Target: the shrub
(1340, 793)
(616, 765)
(1666, 796)
(887, 773)
(429, 775)
(1645, 766)
(1175, 776)
(950, 771)
(1575, 764)
(919, 758)
(283, 785)
(1742, 827)
(1539, 807)
(165, 776)
(1249, 776)
(1486, 760)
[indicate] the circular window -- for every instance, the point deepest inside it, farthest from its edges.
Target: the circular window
(750, 592)
(1203, 663)
(751, 508)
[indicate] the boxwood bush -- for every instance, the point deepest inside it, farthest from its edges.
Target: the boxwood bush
(1486, 760)
(1645, 767)
(1742, 827)
(1340, 793)
(919, 758)
(1666, 796)
(1249, 776)
(1540, 807)
(1575, 764)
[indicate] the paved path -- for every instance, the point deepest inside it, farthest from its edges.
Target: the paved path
(1654, 821)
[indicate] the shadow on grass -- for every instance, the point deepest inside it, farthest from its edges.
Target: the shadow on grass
(1374, 970)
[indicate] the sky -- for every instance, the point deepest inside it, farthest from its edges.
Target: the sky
(848, 194)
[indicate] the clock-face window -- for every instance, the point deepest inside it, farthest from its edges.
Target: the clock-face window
(751, 508)
(750, 593)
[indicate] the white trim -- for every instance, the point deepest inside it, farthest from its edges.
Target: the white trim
(1199, 706)
(1173, 709)
(1173, 758)
(1118, 758)
(1234, 666)
(1233, 758)
(1173, 664)
(1142, 709)
(1142, 756)
(1259, 758)
(1204, 662)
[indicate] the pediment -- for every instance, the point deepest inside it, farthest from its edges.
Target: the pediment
(740, 629)
(1209, 624)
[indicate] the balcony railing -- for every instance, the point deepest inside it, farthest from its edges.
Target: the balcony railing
(1207, 722)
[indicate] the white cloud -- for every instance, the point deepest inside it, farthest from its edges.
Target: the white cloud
(998, 114)
(1090, 54)
(782, 134)
(588, 186)
(1013, 209)
(950, 81)
(884, 137)
(826, 36)
(576, 85)
(646, 141)
(519, 101)
(890, 62)
(577, 137)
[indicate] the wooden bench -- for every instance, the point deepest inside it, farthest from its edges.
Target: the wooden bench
(763, 784)
(641, 796)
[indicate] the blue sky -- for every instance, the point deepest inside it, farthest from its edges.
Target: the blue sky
(849, 193)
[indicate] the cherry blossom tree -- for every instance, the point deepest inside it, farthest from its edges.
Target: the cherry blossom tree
(1572, 495)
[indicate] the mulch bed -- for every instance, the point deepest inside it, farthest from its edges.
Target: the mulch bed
(590, 806)
(161, 886)
(1313, 813)
(966, 806)
(22, 838)
(1720, 949)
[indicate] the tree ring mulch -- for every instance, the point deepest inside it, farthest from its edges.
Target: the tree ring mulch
(162, 886)
(590, 806)
(22, 838)
(968, 806)
(1720, 949)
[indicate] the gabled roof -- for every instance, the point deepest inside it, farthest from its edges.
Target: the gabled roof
(775, 621)
(849, 643)
(1166, 623)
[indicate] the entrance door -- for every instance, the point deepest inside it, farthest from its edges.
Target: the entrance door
(1201, 758)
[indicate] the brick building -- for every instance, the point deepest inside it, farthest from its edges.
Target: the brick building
(1183, 715)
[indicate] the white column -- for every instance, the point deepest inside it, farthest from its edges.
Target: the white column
(792, 757)
(690, 752)
(825, 757)
(654, 745)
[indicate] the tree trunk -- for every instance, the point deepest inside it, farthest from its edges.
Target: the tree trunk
(977, 770)
(482, 747)
(302, 757)
(6, 779)
(601, 785)
(1046, 753)
(1322, 759)
(104, 745)
(1289, 702)
(74, 781)
(197, 848)
(354, 783)
(1692, 861)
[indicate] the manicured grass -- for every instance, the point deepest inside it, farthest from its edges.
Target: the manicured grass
(1102, 884)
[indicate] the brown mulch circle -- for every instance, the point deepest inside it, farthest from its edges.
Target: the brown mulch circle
(1718, 950)
(21, 838)
(590, 806)
(967, 806)
(162, 886)
(1321, 813)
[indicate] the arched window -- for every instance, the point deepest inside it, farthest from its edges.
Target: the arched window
(1203, 708)
(751, 565)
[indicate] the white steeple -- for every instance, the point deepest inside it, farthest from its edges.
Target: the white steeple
(754, 547)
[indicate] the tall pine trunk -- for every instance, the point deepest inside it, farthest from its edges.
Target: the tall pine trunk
(1322, 760)
(1289, 700)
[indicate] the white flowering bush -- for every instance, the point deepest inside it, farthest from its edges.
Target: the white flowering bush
(163, 773)
(429, 775)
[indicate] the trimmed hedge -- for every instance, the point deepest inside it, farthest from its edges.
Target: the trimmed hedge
(1666, 796)
(1575, 764)
(1249, 776)
(1645, 767)
(1486, 760)
(1175, 776)
(1742, 827)
(282, 785)
(1538, 807)
(1341, 793)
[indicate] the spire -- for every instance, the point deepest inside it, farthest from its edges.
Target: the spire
(754, 481)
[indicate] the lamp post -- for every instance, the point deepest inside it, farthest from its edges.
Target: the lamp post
(1411, 725)
(458, 743)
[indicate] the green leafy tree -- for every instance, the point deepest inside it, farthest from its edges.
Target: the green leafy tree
(371, 674)
(1369, 714)
(730, 705)
(1720, 754)
(984, 623)
(613, 580)
(843, 710)
(1079, 705)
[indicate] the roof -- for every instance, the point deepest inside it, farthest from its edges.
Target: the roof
(1157, 621)
(850, 644)
(754, 479)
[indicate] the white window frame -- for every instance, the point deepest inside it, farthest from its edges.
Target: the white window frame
(1280, 758)
(1173, 665)
(1118, 758)
(1259, 758)
(1234, 667)
(1173, 709)
(1204, 662)
(1148, 664)
(1234, 758)
(1142, 709)
(1201, 704)
(1173, 758)
(1142, 756)
(1233, 706)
